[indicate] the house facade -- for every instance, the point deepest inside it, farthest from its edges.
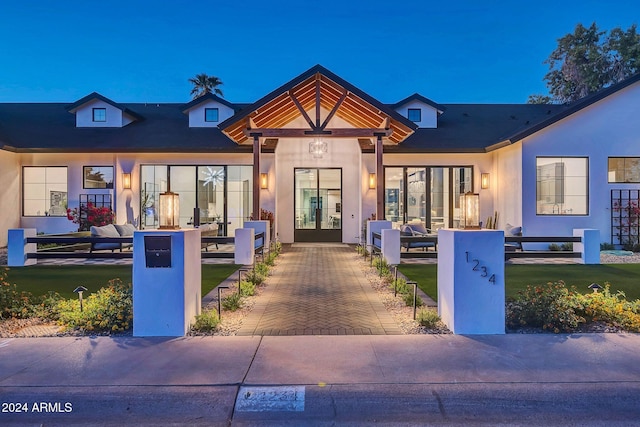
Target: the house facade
(323, 156)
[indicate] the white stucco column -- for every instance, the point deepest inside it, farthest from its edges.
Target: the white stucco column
(590, 245)
(245, 246)
(471, 281)
(391, 246)
(17, 249)
(167, 281)
(260, 227)
(376, 227)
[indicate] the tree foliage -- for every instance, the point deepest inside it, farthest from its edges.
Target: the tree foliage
(203, 84)
(588, 60)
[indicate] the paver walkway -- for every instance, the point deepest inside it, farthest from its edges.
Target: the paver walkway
(318, 289)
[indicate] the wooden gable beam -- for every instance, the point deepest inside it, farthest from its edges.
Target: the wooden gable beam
(334, 109)
(302, 133)
(302, 111)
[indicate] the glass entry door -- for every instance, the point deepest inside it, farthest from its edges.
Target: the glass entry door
(318, 205)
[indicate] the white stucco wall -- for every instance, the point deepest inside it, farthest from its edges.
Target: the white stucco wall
(429, 114)
(196, 114)
(342, 153)
(609, 127)
(74, 164)
(506, 182)
(9, 193)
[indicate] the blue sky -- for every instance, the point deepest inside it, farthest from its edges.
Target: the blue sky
(144, 51)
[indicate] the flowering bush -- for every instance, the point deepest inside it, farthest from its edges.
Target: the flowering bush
(614, 310)
(551, 307)
(108, 310)
(90, 215)
(13, 303)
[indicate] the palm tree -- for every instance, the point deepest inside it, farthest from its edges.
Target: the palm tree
(203, 84)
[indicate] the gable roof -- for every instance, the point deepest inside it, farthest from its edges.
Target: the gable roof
(208, 97)
(72, 108)
(166, 129)
(472, 128)
(278, 108)
(572, 108)
(418, 97)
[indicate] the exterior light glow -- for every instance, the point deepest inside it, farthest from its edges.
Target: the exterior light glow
(169, 211)
(484, 181)
(470, 211)
(264, 181)
(372, 181)
(126, 181)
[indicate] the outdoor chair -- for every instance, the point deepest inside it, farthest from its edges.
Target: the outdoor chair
(416, 230)
(510, 230)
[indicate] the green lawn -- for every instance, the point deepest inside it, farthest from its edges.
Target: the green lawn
(39, 279)
(624, 277)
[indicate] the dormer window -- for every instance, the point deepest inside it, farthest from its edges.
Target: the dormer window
(99, 114)
(414, 114)
(211, 115)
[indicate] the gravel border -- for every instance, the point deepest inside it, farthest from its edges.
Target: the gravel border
(232, 321)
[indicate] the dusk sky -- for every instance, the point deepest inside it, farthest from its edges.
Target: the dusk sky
(145, 51)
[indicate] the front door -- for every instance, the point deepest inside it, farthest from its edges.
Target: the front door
(318, 205)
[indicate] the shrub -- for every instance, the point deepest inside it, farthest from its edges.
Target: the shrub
(607, 246)
(254, 276)
(554, 247)
(247, 289)
(567, 246)
(428, 318)
(207, 321)
(408, 299)
(551, 307)
(262, 269)
(14, 303)
(232, 302)
(47, 306)
(612, 309)
(270, 260)
(108, 310)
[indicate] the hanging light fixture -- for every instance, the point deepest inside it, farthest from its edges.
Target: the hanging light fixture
(470, 211)
(169, 211)
(317, 148)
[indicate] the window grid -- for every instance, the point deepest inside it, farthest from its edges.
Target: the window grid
(414, 114)
(99, 114)
(211, 115)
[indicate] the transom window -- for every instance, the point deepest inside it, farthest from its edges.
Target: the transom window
(414, 114)
(624, 169)
(562, 186)
(45, 191)
(211, 115)
(99, 114)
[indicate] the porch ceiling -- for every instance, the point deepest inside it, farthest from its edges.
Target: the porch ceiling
(300, 100)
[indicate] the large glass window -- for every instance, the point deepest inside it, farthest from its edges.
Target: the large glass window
(44, 191)
(429, 195)
(222, 194)
(624, 169)
(562, 186)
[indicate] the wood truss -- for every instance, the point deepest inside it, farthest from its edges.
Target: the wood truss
(317, 93)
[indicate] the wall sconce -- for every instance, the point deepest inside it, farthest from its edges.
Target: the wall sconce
(126, 181)
(169, 211)
(470, 211)
(264, 181)
(484, 181)
(372, 181)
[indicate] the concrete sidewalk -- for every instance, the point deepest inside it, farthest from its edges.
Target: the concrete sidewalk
(122, 378)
